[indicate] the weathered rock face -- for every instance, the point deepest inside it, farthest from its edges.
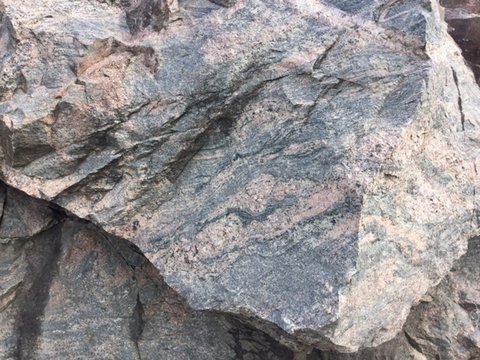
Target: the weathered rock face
(69, 290)
(452, 308)
(464, 20)
(310, 167)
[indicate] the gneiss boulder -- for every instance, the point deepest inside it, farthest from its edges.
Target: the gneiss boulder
(310, 166)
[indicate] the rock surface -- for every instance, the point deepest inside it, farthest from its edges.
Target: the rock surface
(446, 324)
(464, 20)
(304, 172)
(69, 290)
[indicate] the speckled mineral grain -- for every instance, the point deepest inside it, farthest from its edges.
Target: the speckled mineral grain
(295, 179)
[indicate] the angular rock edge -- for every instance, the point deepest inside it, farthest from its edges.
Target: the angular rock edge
(64, 268)
(68, 289)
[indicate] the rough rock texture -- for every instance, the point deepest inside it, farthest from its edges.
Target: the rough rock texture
(307, 168)
(446, 324)
(463, 16)
(70, 291)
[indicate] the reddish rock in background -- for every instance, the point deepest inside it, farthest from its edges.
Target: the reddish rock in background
(463, 17)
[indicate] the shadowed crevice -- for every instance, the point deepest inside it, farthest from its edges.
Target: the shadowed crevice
(137, 323)
(460, 103)
(463, 19)
(3, 200)
(43, 252)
